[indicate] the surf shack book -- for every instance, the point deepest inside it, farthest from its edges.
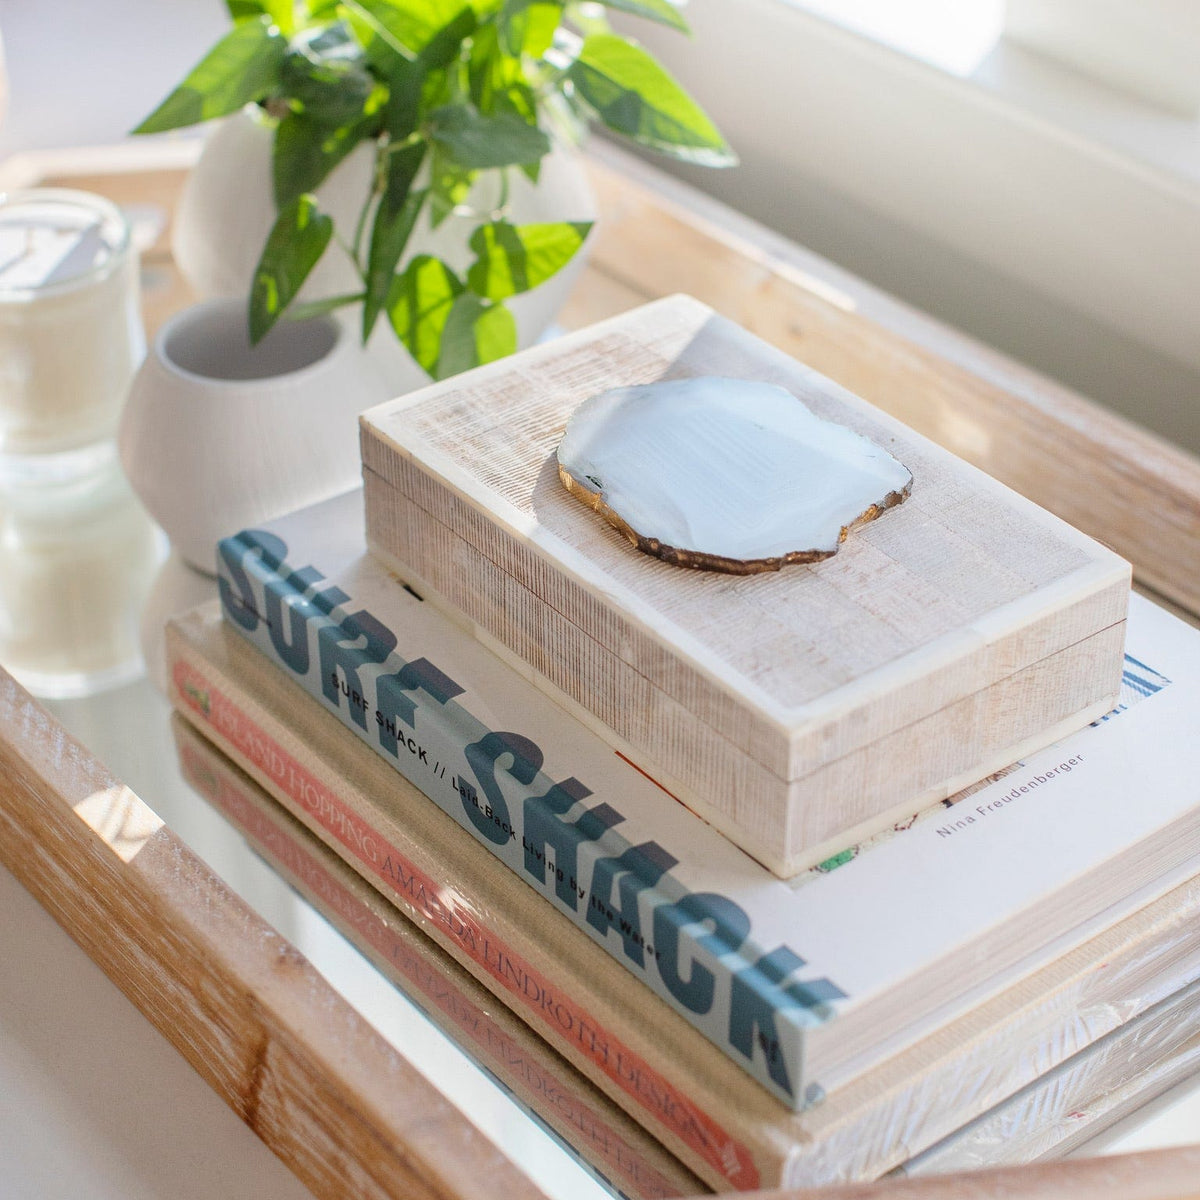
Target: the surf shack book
(803, 984)
(663, 1072)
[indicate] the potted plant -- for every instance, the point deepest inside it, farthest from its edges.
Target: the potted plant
(448, 108)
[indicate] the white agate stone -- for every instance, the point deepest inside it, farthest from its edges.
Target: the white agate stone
(725, 474)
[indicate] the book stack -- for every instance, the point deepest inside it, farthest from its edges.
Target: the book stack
(1089, 1091)
(800, 871)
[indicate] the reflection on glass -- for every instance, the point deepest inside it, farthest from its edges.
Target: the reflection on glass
(176, 588)
(123, 822)
(77, 557)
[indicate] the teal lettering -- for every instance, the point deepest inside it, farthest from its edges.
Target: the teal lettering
(482, 757)
(291, 645)
(730, 925)
(391, 695)
(545, 827)
(757, 998)
(639, 868)
(339, 652)
(234, 587)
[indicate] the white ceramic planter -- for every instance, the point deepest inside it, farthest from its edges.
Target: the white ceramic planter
(227, 209)
(216, 436)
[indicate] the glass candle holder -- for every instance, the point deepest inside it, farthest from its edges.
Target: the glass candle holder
(71, 334)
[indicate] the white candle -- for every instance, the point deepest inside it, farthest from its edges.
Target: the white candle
(70, 327)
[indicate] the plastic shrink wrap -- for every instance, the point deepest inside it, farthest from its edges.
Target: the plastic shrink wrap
(1081, 1097)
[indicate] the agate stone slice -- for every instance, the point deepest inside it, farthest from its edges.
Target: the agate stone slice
(725, 474)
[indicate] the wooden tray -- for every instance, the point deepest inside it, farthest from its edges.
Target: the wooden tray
(301, 1068)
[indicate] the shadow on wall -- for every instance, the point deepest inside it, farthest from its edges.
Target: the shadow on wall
(1147, 386)
(1050, 217)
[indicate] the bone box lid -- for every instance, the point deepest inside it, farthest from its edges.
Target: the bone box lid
(792, 709)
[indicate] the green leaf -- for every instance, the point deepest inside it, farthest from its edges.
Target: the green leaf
(403, 109)
(407, 42)
(485, 68)
(497, 81)
(634, 96)
(382, 31)
(243, 66)
(440, 88)
(447, 43)
(662, 11)
(394, 219)
(407, 27)
(450, 185)
(305, 152)
(475, 332)
(297, 240)
(476, 141)
(245, 10)
(514, 258)
(281, 12)
(318, 308)
(519, 98)
(528, 26)
(325, 72)
(419, 303)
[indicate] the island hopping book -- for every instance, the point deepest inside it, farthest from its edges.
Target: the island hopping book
(802, 986)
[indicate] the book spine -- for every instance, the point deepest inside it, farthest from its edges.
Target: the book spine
(561, 1100)
(694, 949)
(513, 969)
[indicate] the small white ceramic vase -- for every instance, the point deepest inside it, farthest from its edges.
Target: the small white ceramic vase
(217, 436)
(227, 209)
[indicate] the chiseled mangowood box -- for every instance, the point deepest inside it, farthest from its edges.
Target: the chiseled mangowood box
(796, 710)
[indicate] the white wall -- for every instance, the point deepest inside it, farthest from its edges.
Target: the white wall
(85, 72)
